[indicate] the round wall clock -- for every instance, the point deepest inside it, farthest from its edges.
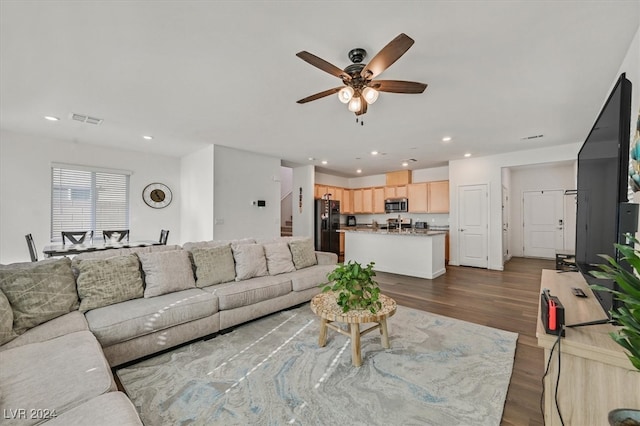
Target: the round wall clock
(157, 195)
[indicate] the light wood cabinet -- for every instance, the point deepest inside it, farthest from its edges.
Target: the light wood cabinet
(378, 199)
(401, 177)
(336, 193)
(418, 196)
(367, 200)
(346, 206)
(320, 190)
(341, 251)
(357, 201)
(395, 191)
(438, 197)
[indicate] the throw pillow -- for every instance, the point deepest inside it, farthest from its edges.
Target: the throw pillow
(303, 253)
(213, 265)
(279, 258)
(38, 291)
(250, 261)
(103, 282)
(166, 272)
(6, 320)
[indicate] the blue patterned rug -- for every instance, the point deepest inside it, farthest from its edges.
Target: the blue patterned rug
(438, 371)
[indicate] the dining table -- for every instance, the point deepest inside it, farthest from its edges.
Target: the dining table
(59, 249)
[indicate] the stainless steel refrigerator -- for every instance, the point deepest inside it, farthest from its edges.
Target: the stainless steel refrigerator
(327, 224)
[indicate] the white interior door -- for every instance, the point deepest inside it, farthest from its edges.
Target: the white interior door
(543, 223)
(473, 229)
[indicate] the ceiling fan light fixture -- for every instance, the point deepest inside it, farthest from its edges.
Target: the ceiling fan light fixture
(370, 95)
(345, 94)
(355, 104)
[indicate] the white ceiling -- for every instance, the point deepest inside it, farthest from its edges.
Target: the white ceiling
(193, 73)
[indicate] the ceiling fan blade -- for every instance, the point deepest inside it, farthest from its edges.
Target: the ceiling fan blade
(387, 56)
(398, 86)
(323, 65)
(319, 95)
(363, 107)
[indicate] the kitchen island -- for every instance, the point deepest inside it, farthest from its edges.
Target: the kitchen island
(414, 253)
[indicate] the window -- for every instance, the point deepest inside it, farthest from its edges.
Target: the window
(84, 198)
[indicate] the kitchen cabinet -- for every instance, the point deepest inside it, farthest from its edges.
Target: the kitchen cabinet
(336, 194)
(341, 250)
(357, 201)
(401, 177)
(395, 191)
(418, 194)
(378, 199)
(367, 200)
(438, 197)
(320, 190)
(346, 206)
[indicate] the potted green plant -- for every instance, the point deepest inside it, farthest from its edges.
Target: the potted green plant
(354, 286)
(627, 315)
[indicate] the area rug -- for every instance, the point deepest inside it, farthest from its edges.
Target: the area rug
(438, 371)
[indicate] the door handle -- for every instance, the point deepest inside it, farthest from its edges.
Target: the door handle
(461, 230)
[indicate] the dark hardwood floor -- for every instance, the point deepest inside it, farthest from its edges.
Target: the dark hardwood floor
(507, 300)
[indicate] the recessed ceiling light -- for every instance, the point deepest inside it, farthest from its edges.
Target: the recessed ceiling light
(311, 159)
(446, 139)
(405, 164)
(359, 171)
(147, 137)
(324, 161)
(374, 152)
(51, 118)
(468, 154)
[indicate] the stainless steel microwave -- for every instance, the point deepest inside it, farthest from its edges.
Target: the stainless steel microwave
(396, 205)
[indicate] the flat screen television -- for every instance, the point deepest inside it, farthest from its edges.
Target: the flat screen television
(602, 192)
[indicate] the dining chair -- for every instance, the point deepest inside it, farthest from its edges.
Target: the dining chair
(32, 248)
(76, 237)
(118, 235)
(164, 235)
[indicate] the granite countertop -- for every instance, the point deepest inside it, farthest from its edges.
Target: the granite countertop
(404, 232)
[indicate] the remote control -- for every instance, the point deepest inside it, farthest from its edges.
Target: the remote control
(578, 292)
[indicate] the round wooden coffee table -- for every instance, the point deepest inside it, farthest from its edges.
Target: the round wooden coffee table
(325, 306)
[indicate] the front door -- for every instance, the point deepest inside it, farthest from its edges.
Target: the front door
(543, 213)
(473, 229)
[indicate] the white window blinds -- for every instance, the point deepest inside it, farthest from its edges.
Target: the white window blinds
(83, 199)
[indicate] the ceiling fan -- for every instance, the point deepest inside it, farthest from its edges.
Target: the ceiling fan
(360, 89)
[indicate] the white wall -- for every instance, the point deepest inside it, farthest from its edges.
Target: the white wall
(488, 170)
(196, 184)
(303, 213)
(25, 189)
(240, 178)
(331, 180)
(553, 176)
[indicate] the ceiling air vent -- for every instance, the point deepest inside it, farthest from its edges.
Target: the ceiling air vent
(526, 138)
(86, 119)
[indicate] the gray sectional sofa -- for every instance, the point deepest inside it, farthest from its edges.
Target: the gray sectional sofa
(64, 324)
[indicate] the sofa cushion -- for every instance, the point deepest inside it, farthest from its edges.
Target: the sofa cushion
(166, 272)
(279, 258)
(6, 320)
(314, 276)
(139, 317)
(244, 293)
(38, 291)
(250, 261)
(303, 253)
(216, 243)
(57, 375)
(104, 254)
(109, 409)
(103, 282)
(65, 324)
(214, 265)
